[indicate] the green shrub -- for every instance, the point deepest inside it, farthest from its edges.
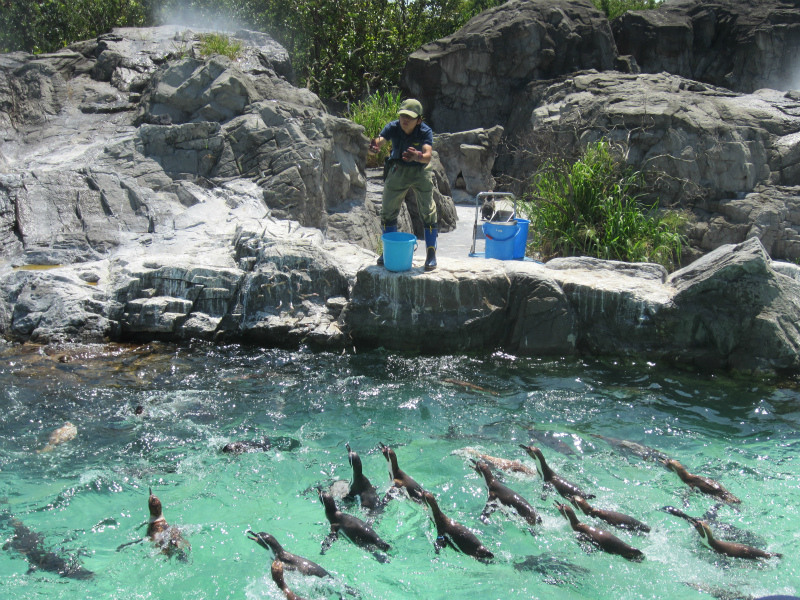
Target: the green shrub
(219, 43)
(373, 113)
(615, 8)
(590, 208)
(49, 25)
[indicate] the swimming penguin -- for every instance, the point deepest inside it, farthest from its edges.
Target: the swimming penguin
(730, 548)
(399, 479)
(504, 464)
(353, 528)
(166, 536)
(628, 447)
(726, 530)
(469, 386)
(552, 441)
(241, 446)
(703, 484)
(453, 534)
(277, 577)
(32, 546)
(291, 562)
(360, 486)
(554, 571)
(63, 434)
(561, 485)
(611, 517)
(504, 495)
(602, 539)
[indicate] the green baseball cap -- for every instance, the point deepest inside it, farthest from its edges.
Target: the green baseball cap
(411, 108)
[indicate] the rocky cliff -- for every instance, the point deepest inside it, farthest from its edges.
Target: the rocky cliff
(147, 192)
(699, 93)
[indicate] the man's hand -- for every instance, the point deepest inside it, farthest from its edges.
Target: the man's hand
(411, 154)
(373, 147)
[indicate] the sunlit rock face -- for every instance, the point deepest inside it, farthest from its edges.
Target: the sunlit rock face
(103, 141)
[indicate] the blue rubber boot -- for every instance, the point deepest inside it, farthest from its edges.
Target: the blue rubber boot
(386, 227)
(431, 233)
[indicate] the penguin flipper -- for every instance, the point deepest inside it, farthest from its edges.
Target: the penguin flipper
(122, 546)
(488, 510)
(328, 541)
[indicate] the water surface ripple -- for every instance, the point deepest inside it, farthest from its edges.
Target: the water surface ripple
(88, 496)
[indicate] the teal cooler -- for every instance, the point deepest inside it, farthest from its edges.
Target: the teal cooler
(500, 239)
(521, 239)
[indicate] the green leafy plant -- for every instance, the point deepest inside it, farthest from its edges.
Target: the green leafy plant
(615, 8)
(590, 208)
(49, 25)
(219, 43)
(373, 113)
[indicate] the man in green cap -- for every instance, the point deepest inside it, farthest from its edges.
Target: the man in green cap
(410, 169)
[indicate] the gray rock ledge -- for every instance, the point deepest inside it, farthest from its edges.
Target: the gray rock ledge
(286, 285)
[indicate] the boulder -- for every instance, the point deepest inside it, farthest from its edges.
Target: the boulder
(468, 80)
(62, 305)
(31, 90)
(468, 158)
(283, 285)
(286, 285)
(192, 90)
(741, 45)
(733, 309)
(692, 140)
(709, 120)
(770, 213)
(461, 307)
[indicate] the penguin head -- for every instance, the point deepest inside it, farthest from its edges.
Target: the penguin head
(580, 503)
(481, 467)
(265, 540)
(536, 455)
(355, 460)
(154, 504)
(327, 500)
(565, 510)
(391, 459)
(386, 451)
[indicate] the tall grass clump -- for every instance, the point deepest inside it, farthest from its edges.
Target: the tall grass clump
(590, 208)
(219, 43)
(373, 113)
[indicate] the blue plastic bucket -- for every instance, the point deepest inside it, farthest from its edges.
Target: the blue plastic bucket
(398, 250)
(500, 239)
(500, 231)
(521, 239)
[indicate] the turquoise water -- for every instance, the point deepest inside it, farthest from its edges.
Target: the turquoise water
(89, 495)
